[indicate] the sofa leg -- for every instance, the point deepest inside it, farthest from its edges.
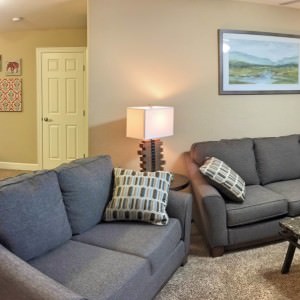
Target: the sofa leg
(184, 261)
(217, 251)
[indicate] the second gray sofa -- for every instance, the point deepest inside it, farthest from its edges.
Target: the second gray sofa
(270, 168)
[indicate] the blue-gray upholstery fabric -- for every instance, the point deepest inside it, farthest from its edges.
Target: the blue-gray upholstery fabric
(210, 205)
(260, 204)
(254, 232)
(18, 178)
(20, 281)
(94, 272)
(238, 154)
(167, 268)
(290, 190)
(180, 207)
(278, 158)
(33, 219)
(86, 186)
(154, 243)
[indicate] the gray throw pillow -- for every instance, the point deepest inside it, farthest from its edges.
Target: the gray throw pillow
(86, 186)
(33, 219)
(224, 178)
(139, 196)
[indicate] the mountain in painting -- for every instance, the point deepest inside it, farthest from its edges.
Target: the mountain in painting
(239, 57)
(288, 61)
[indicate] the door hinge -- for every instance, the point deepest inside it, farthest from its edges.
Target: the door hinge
(83, 68)
(83, 112)
(84, 155)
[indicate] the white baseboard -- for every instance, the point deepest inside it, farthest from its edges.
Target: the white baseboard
(19, 166)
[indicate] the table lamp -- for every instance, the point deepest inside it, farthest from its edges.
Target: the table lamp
(150, 123)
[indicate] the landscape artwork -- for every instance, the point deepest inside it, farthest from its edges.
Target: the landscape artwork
(257, 63)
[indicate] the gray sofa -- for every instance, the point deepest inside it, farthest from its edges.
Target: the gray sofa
(271, 170)
(53, 244)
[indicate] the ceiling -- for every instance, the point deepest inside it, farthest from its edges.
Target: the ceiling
(42, 14)
(63, 14)
(293, 4)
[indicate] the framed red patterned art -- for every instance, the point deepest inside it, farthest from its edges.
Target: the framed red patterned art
(10, 94)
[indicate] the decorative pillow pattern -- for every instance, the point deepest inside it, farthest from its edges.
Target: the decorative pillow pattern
(139, 196)
(224, 179)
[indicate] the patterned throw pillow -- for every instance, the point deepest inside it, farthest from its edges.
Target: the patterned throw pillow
(139, 196)
(224, 178)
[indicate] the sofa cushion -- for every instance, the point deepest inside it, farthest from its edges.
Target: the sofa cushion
(224, 178)
(94, 272)
(33, 219)
(139, 196)
(278, 158)
(144, 240)
(254, 232)
(86, 186)
(260, 204)
(290, 189)
(236, 153)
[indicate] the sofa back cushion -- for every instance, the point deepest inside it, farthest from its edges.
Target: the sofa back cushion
(86, 186)
(33, 218)
(278, 158)
(238, 154)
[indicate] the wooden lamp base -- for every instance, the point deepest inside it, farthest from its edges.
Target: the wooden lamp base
(151, 157)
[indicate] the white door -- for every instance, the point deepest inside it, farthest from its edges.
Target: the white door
(63, 105)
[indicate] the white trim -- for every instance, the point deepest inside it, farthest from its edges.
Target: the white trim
(39, 52)
(19, 166)
(39, 107)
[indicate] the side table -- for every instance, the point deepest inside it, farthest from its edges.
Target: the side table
(179, 182)
(291, 232)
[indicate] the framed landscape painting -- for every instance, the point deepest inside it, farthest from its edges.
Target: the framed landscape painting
(258, 63)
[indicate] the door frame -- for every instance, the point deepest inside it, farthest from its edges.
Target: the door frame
(39, 104)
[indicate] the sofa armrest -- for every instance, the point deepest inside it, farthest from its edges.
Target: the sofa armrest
(210, 204)
(20, 281)
(180, 207)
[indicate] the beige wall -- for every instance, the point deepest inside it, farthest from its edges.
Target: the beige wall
(18, 132)
(166, 53)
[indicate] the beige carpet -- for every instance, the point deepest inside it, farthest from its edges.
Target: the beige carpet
(241, 275)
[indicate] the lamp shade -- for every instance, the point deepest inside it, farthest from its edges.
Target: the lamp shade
(150, 122)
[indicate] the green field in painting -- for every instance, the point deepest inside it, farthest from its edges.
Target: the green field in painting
(244, 73)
